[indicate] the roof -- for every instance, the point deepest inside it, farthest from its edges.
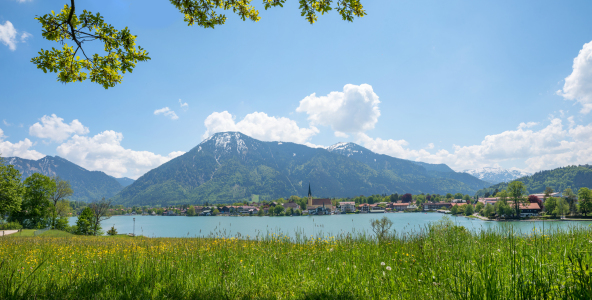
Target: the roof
(527, 205)
(318, 202)
(291, 204)
(400, 204)
(347, 203)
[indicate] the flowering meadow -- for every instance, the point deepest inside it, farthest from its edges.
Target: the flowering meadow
(442, 261)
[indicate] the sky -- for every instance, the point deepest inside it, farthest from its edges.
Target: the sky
(471, 84)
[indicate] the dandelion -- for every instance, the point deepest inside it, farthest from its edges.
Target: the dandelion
(388, 268)
(328, 269)
(498, 250)
(382, 263)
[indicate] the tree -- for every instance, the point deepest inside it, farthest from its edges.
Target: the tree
(515, 190)
(479, 206)
(260, 212)
(36, 205)
(215, 212)
(191, 211)
(469, 210)
(467, 198)
(100, 210)
(122, 54)
(488, 210)
(501, 207)
(381, 227)
(62, 192)
(550, 205)
(84, 223)
(11, 189)
(571, 199)
(277, 209)
(495, 192)
(486, 195)
(289, 211)
(454, 209)
(406, 198)
(585, 199)
(458, 196)
(112, 231)
(562, 207)
(548, 191)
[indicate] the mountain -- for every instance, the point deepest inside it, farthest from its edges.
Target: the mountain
(496, 175)
(86, 185)
(124, 181)
(574, 177)
(231, 167)
(403, 167)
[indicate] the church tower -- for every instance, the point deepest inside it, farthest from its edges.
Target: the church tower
(309, 196)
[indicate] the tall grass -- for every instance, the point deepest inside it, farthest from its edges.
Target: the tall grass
(440, 261)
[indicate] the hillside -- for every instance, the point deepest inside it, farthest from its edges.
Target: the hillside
(230, 167)
(574, 177)
(87, 185)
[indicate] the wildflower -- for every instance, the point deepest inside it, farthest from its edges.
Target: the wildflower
(388, 268)
(328, 269)
(382, 263)
(498, 250)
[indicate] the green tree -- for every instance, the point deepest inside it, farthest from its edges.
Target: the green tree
(36, 206)
(260, 212)
(562, 207)
(449, 196)
(278, 209)
(191, 211)
(454, 209)
(571, 199)
(84, 223)
(458, 196)
(11, 189)
(121, 52)
(289, 211)
(488, 210)
(548, 191)
(112, 231)
(100, 210)
(479, 206)
(585, 199)
(469, 209)
(62, 191)
(550, 206)
(516, 190)
(215, 212)
(381, 227)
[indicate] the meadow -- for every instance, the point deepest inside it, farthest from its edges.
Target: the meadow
(442, 261)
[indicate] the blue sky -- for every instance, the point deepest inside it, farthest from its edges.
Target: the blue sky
(457, 82)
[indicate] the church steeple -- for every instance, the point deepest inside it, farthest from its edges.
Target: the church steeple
(309, 196)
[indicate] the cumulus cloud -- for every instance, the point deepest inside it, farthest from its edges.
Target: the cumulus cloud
(550, 147)
(260, 126)
(104, 152)
(578, 85)
(352, 111)
(53, 128)
(184, 105)
(8, 35)
(167, 112)
(20, 149)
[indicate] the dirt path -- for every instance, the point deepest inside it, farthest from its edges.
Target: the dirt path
(7, 232)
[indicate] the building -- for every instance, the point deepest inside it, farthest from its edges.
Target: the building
(292, 205)
(348, 206)
(318, 206)
(436, 206)
(398, 206)
(542, 197)
(528, 209)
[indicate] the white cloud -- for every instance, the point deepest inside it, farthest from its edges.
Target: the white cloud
(430, 146)
(352, 111)
(184, 106)
(260, 126)
(547, 148)
(20, 149)
(578, 85)
(54, 128)
(103, 152)
(167, 112)
(8, 35)
(528, 125)
(6, 123)
(24, 36)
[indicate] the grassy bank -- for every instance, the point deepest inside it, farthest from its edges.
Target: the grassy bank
(442, 262)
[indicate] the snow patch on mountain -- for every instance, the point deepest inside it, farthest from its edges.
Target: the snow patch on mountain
(497, 174)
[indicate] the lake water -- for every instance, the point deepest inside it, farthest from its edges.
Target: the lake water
(164, 226)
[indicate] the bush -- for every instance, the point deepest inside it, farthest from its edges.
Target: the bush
(10, 226)
(112, 231)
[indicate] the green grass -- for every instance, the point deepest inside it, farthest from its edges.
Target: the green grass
(56, 233)
(442, 261)
(24, 233)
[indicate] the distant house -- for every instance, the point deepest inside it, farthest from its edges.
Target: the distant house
(528, 209)
(436, 206)
(292, 205)
(347, 206)
(398, 206)
(543, 198)
(318, 206)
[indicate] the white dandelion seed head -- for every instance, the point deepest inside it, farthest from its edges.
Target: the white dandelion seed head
(382, 263)
(388, 268)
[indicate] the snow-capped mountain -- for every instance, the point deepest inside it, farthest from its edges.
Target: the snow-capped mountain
(497, 174)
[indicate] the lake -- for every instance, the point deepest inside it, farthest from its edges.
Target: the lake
(178, 226)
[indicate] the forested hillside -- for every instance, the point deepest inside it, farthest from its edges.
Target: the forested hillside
(574, 177)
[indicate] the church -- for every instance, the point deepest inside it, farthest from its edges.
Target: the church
(318, 206)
